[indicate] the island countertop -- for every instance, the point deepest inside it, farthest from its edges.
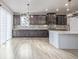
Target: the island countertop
(63, 32)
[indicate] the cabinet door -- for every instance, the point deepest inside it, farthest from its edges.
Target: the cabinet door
(51, 18)
(16, 20)
(38, 20)
(61, 20)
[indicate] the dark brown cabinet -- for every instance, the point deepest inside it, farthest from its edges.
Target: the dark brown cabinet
(51, 18)
(30, 33)
(16, 20)
(61, 20)
(38, 20)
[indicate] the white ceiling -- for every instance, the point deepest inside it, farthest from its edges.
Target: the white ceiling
(37, 6)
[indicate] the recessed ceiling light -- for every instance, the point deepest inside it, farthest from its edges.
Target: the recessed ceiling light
(46, 9)
(31, 16)
(57, 9)
(68, 9)
(66, 4)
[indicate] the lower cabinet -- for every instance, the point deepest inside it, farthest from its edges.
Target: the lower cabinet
(30, 33)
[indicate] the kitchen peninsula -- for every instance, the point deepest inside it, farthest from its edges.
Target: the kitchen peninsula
(66, 39)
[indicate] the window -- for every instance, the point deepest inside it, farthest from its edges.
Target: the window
(5, 25)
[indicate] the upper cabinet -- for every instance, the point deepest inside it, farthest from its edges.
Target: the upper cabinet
(33, 20)
(16, 20)
(52, 18)
(61, 20)
(38, 20)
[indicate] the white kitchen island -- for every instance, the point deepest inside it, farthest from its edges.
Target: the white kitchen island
(66, 39)
(63, 39)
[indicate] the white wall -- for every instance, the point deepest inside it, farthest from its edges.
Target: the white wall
(73, 22)
(5, 25)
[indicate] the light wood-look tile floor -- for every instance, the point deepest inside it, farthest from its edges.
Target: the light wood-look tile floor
(32, 48)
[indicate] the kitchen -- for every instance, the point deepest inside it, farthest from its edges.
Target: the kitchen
(38, 30)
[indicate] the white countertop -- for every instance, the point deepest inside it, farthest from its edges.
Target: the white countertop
(32, 27)
(43, 27)
(63, 32)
